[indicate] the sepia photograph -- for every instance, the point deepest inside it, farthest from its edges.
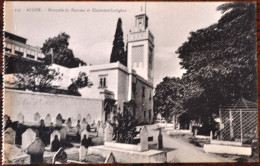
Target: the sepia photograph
(129, 82)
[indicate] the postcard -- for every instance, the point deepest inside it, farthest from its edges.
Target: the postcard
(129, 82)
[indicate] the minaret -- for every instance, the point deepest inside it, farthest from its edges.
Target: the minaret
(140, 45)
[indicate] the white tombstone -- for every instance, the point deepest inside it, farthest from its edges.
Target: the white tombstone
(84, 132)
(36, 147)
(88, 119)
(63, 133)
(20, 118)
(82, 153)
(110, 159)
(83, 124)
(69, 123)
(27, 138)
(37, 117)
(47, 120)
(143, 146)
(59, 120)
(79, 117)
(9, 136)
(55, 132)
(108, 133)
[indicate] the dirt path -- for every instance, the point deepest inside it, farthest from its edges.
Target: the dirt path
(187, 153)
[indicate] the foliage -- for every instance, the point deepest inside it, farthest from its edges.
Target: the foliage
(168, 97)
(62, 55)
(80, 82)
(220, 61)
(124, 127)
(36, 78)
(118, 52)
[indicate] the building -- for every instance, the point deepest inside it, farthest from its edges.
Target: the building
(16, 46)
(117, 87)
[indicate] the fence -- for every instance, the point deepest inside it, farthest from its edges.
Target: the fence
(238, 124)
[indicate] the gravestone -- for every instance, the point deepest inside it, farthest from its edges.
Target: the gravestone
(59, 120)
(79, 117)
(83, 124)
(143, 139)
(63, 134)
(82, 153)
(47, 120)
(84, 132)
(211, 136)
(110, 159)
(78, 127)
(69, 123)
(27, 138)
(9, 135)
(108, 133)
(196, 132)
(55, 132)
(36, 150)
(60, 156)
(37, 117)
(20, 118)
(88, 119)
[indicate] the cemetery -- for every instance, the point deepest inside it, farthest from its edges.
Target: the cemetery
(81, 142)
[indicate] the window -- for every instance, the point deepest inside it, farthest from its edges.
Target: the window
(18, 51)
(150, 98)
(143, 92)
(150, 114)
(8, 47)
(144, 114)
(103, 81)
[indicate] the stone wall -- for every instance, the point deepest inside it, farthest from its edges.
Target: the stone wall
(28, 103)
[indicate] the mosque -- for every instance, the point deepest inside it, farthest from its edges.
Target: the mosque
(119, 88)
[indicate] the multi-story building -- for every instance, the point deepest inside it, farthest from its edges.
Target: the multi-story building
(16, 46)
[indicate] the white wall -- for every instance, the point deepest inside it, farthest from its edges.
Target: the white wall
(28, 103)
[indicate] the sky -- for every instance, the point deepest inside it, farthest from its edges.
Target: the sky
(92, 25)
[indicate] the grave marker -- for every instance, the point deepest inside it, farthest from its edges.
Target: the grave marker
(20, 118)
(83, 124)
(9, 136)
(82, 153)
(88, 119)
(79, 117)
(36, 150)
(60, 156)
(84, 132)
(144, 139)
(55, 132)
(27, 138)
(59, 120)
(47, 120)
(37, 117)
(69, 123)
(110, 158)
(63, 134)
(108, 133)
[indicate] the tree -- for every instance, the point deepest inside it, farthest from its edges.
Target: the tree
(56, 50)
(221, 61)
(118, 51)
(124, 127)
(80, 82)
(36, 78)
(168, 98)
